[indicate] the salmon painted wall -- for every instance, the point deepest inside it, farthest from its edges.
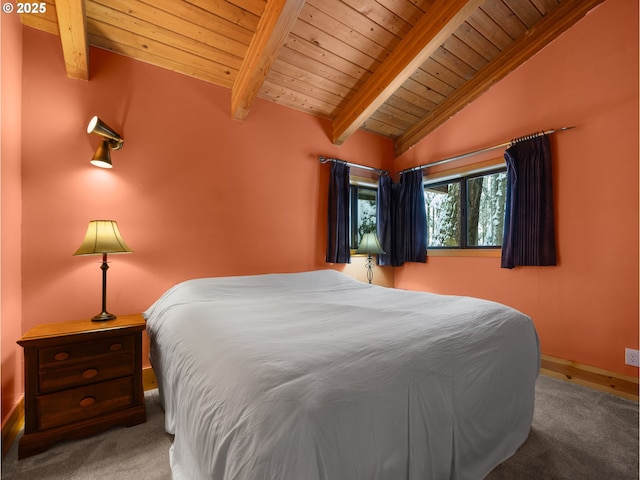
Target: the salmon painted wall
(10, 210)
(194, 192)
(586, 308)
(198, 194)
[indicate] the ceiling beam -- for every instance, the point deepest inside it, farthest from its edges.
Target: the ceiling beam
(440, 20)
(273, 28)
(72, 22)
(535, 39)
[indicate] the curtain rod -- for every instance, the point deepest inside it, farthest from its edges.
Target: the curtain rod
(487, 149)
(364, 167)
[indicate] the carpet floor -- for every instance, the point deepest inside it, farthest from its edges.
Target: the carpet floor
(577, 433)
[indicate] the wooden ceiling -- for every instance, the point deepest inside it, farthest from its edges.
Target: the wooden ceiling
(398, 68)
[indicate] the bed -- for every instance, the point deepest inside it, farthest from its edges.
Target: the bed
(318, 376)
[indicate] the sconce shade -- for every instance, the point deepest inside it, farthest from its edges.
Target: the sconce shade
(98, 127)
(103, 236)
(102, 157)
(370, 244)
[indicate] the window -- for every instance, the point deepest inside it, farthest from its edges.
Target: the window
(466, 212)
(363, 212)
(442, 203)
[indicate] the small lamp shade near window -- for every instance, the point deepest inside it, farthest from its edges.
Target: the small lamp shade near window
(103, 237)
(370, 245)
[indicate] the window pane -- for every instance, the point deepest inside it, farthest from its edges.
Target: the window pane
(366, 214)
(485, 210)
(443, 215)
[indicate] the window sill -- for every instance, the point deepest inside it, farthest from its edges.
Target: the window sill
(452, 252)
(467, 252)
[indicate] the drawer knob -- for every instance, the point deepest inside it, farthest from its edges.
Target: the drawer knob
(61, 356)
(87, 401)
(115, 347)
(89, 373)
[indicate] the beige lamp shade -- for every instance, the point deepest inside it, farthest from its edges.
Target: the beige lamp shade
(370, 244)
(102, 236)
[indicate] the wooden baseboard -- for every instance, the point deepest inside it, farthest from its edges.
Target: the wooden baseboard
(12, 427)
(592, 377)
(149, 381)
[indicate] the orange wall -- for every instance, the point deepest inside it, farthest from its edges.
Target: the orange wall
(586, 308)
(194, 192)
(10, 210)
(198, 194)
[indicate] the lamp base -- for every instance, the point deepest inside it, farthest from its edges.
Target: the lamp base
(369, 266)
(104, 316)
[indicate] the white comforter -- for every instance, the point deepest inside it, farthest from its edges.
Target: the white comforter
(316, 376)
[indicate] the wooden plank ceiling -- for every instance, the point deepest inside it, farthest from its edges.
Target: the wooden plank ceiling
(398, 68)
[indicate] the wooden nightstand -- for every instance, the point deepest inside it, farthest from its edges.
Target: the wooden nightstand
(81, 377)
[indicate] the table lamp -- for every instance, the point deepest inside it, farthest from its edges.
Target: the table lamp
(369, 244)
(103, 237)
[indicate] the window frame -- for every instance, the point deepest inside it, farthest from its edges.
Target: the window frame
(462, 175)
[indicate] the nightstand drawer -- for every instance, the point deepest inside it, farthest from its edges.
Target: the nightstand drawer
(78, 374)
(61, 355)
(85, 402)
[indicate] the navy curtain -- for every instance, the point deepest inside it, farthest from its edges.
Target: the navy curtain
(402, 220)
(529, 231)
(412, 218)
(338, 217)
(384, 220)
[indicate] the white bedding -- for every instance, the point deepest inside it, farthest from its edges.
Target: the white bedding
(317, 376)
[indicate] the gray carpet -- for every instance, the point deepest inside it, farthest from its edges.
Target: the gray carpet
(136, 453)
(577, 433)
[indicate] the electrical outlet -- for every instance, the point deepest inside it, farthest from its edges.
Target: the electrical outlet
(632, 357)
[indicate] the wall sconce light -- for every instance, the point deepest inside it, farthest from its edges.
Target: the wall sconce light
(111, 141)
(370, 244)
